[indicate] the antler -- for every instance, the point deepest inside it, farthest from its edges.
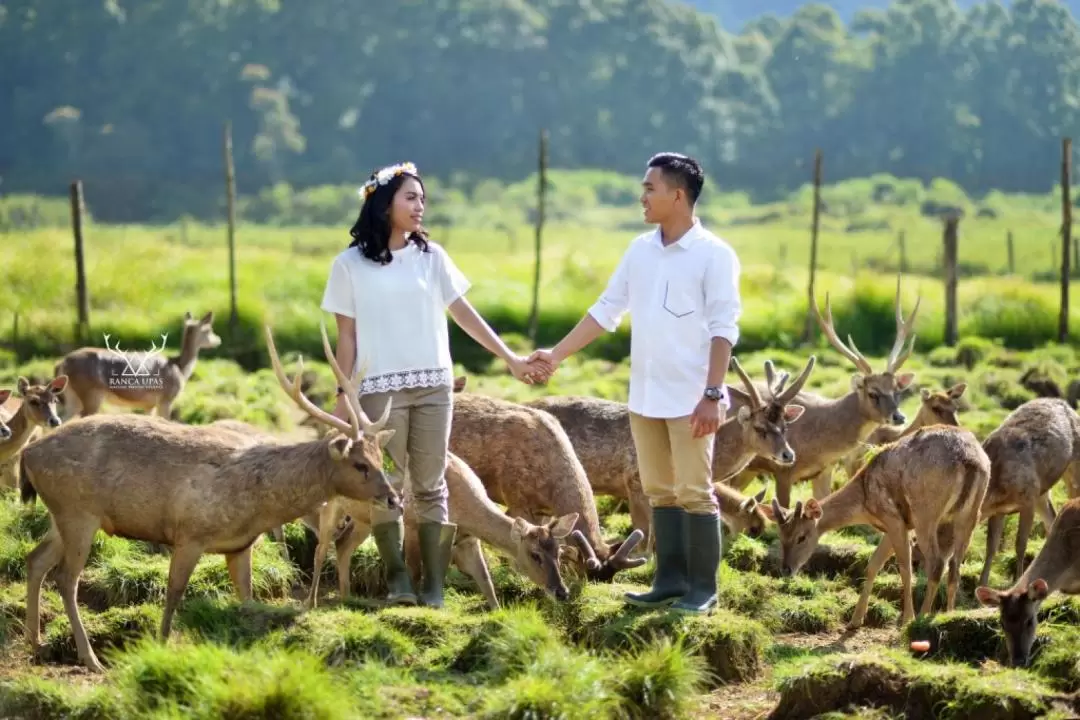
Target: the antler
(619, 560)
(781, 396)
(851, 353)
(775, 383)
(903, 329)
(751, 389)
(352, 397)
(351, 428)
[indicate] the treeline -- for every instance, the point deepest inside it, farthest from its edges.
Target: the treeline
(132, 96)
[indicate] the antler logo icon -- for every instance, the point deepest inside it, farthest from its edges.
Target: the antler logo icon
(136, 364)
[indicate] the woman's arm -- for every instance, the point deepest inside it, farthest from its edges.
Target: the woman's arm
(476, 327)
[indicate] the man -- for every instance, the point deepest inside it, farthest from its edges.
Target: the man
(680, 284)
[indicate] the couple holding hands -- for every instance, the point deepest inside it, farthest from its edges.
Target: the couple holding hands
(390, 291)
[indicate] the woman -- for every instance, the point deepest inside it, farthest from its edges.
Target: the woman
(389, 291)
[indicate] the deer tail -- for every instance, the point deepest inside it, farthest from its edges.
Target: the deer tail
(29, 493)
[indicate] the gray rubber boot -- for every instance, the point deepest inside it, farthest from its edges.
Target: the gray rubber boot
(436, 545)
(703, 562)
(388, 539)
(670, 578)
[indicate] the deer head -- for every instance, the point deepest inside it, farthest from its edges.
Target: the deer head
(940, 408)
(536, 551)
(749, 519)
(459, 383)
(39, 401)
(879, 393)
(1019, 616)
(798, 532)
(357, 446)
(764, 424)
(199, 332)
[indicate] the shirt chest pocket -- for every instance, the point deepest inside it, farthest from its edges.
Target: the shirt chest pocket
(681, 297)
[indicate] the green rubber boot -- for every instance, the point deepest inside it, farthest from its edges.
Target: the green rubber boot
(436, 545)
(388, 539)
(670, 579)
(704, 561)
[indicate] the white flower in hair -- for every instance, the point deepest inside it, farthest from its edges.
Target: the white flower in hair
(385, 175)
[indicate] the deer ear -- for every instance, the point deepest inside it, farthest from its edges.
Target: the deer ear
(4, 395)
(780, 515)
(858, 380)
(563, 526)
(924, 394)
(987, 596)
(207, 318)
(793, 413)
(748, 505)
(519, 529)
(1038, 590)
(903, 381)
(760, 497)
(383, 436)
(743, 414)
(957, 390)
(812, 509)
(340, 447)
(460, 382)
(23, 385)
(58, 384)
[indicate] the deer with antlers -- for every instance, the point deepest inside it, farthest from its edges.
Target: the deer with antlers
(932, 481)
(829, 429)
(143, 380)
(37, 409)
(1055, 568)
(1030, 451)
(527, 463)
(197, 489)
(600, 433)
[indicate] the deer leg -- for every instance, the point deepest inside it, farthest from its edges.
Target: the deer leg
(91, 403)
(346, 546)
(1045, 507)
(469, 558)
(1023, 531)
(77, 538)
(995, 528)
(898, 537)
(164, 408)
(184, 559)
(239, 565)
(278, 533)
(873, 567)
(39, 562)
(1072, 481)
(328, 517)
(783, 489)
(822, 484)
(935, 564)
(960, 542)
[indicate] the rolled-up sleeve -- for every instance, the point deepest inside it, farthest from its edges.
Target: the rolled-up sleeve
(338, 295)
(723, 305)
(609, 309)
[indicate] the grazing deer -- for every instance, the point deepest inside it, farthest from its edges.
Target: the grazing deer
(932, 481)
(197, 489)
(1056, 567)
(600, 433)
(1029, 452)
(527, 464)
(936, 408)
(142, 380)
(37, 410)
(830, 429)
(533, 549)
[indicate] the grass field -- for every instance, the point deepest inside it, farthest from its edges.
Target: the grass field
(775, 648)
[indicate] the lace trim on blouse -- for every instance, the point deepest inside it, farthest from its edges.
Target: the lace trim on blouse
(403, 379)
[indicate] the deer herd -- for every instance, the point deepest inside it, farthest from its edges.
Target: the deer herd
(218, 488)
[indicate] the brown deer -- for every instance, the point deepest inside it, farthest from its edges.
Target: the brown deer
(533, 549)
(527, 464)
(932, 481)
(935, 408)
(141, 380)
(5, 431)
(1055, 568)
(1029, 452)
(197, 489)
(600, 433)
(829, 429)
(36, 410)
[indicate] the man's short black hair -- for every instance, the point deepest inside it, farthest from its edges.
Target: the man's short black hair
(683, 170)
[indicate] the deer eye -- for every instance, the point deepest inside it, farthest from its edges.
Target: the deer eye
(361, 467)
(801, 540)
(536, 557)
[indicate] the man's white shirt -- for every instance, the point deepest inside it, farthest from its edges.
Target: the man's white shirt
(679, 298)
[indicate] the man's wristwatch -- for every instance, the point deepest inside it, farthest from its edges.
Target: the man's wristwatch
(714, 392)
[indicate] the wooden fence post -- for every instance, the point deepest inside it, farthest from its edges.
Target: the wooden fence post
(949, 254)
(83, 324)
(541, 190)
(811, 323)
(1066, 237)
(230, 207)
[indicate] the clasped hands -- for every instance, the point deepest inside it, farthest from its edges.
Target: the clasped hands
(537, 368)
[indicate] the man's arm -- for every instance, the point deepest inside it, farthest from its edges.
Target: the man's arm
(723, 306)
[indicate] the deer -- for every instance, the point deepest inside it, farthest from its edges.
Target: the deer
(527, 463)
(1035, 445)
(1055, 568)
(932, 481)
(5, 431)
(532, 549)
(830, 428)
(140, 380)
(935, 408)
(195, 488)
(36, 410)
(600, 433)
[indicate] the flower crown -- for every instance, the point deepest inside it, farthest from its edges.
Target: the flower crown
(384, 176)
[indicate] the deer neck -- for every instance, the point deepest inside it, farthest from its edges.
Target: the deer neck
(846, 506)
(848, 425)
(189, 353)
(731, 453)
(21, 430)
(291, 480)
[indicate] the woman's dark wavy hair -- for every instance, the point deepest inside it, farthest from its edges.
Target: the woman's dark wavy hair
(371, 231)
